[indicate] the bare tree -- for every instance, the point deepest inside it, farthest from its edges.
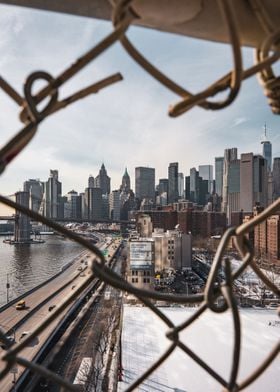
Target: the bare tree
(95, 376)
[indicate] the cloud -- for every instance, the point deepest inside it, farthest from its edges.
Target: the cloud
(127, 123)
(239, 120)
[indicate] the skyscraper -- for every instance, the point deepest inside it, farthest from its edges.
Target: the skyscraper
(91, 183)
(52, 193)
(253, 181)
(35, 190)
(73, 206)
(187, 188)
(144, 183)
(229, 155)
(233, 202)
(276, 178)
(206, 173)
(103, 181)
(219, 164)
(125, 186)
(93, 203)
(173, 182)
(181, 184)
(267, 150)
(194, 185)
(162, 186)
(115, 205)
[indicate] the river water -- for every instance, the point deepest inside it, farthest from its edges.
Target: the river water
(26, 266)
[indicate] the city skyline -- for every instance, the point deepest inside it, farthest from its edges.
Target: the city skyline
(76, 143)
(131, 173)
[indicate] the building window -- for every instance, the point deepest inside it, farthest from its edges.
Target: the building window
(136, 280)
(147, 280)
(144, 280)
(132, 280)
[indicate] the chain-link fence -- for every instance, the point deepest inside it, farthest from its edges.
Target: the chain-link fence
(123, 15)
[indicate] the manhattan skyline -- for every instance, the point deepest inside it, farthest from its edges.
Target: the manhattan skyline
(125, 125)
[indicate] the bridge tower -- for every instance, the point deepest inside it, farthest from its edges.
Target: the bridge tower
(22, 221)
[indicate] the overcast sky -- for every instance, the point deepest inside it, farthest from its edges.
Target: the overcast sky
(125, 125)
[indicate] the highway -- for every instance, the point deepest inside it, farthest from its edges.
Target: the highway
(38, 303)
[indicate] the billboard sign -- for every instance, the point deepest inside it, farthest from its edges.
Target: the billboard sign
(141, 254)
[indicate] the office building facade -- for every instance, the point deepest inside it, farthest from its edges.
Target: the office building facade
(144, 183)
(93, 203)
(206, 173)
(173, 194)
(103, 181)
(219, 165)
(51, 196)
(276, 178)
(35, 189)
(230, 154)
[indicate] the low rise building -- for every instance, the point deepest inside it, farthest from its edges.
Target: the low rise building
(141, 263)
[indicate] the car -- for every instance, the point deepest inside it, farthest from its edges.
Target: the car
(20, 305)
(7, 345)
(273, 305)
(245, 305)
(80, 269)
(82, 274)
(51, 307)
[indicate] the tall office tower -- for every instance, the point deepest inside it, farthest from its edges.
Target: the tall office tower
(253, 181)
(125, 186)
(52, 192)
(233, 202)
(173, 182)
(105, 207)
(22, 221)
(269, 188)
(187, 188)
(181, 184)
(162, 186)
(206, 173)
(83, 205)
(194, 185)
(93, 203)
(276, 178)
(103, 181)
(91, 183)
(267, 150)
(73, 206)
(144, 183)
(35, 190)
(229, 155)
(115, 205)
(219, 165)
(203, 186)
(62, 200)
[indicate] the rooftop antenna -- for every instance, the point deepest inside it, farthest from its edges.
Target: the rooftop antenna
(264, 137)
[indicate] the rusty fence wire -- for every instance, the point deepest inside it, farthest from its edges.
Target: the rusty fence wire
(122, 16)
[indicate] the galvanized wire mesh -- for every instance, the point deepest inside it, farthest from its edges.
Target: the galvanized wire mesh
(123, 15)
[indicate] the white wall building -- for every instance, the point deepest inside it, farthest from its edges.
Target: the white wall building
(173, 249)
(141, 263)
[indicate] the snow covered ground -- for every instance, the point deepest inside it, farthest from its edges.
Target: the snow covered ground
(210, 337)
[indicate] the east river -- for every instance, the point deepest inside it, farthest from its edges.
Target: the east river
(26, 266)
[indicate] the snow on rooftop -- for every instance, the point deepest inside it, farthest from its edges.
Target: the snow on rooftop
(210, 337)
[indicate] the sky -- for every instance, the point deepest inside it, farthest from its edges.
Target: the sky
(126, 124)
